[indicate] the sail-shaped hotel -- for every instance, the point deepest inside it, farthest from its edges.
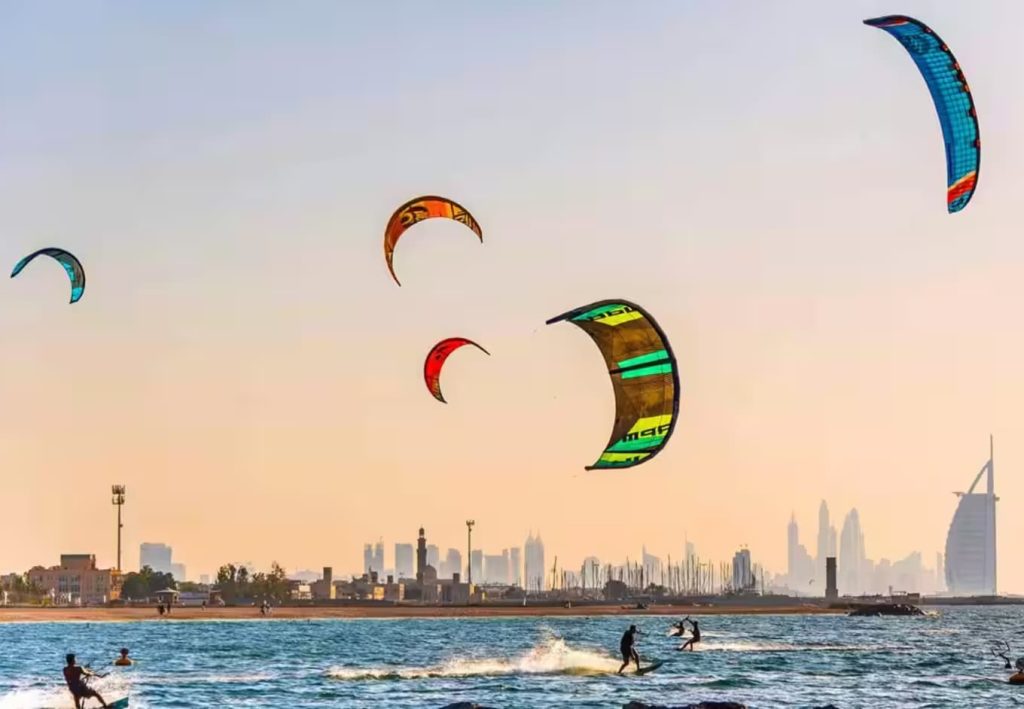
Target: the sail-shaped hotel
(971, 542)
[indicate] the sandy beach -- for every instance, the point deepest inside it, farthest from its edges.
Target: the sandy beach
(101, 614)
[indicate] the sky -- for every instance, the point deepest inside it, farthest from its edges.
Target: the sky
(767, 179)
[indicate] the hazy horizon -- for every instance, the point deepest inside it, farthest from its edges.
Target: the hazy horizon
(768, 180)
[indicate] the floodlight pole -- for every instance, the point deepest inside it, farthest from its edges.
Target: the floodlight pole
(469, 550)
(118, 501)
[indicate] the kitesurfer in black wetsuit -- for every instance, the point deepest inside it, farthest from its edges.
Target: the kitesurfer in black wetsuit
(626, 647)
(694, 639)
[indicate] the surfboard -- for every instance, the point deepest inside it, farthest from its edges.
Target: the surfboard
(650, 668)
(119, 704)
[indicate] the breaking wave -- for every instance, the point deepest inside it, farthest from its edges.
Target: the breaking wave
(551, 657)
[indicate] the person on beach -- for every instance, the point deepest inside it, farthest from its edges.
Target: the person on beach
(694, 638)
(124, 660)
(627, 646)
(76, 676)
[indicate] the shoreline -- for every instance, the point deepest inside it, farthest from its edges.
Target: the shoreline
(34, 614)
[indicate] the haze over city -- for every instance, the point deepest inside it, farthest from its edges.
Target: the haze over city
(244, 364)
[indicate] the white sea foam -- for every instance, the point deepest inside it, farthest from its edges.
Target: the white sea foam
(190, 678)
(553, 656)
(57, 696)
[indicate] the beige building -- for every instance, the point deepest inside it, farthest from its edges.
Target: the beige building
(323, 590)
(77, 580)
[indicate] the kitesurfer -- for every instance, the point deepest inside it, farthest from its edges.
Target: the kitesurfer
(694, 638)
(124, 660)
(76, 676)
(628, 649)
(680, 627)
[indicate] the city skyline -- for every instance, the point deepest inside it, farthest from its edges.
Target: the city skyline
(241, 353)
(857, 574)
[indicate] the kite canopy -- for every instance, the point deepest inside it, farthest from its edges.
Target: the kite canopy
(416, 210)
(71, 265)
(644, 377)
(436, 358)
(953, 102)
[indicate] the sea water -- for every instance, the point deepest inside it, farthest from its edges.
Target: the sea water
(941, 660)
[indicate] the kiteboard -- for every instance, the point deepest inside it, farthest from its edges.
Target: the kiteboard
(650, 668)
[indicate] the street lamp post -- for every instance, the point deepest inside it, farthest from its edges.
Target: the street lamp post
(118, 501)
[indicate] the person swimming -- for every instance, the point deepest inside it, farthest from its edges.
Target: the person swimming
(628, 649)
(694, 639)
(76, 676)
(124, 660)
(1018, 676)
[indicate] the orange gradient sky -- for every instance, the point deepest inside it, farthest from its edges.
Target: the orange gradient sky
(767, 179)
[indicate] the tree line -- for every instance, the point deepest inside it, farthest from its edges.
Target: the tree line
(236, 584)
(145, 583)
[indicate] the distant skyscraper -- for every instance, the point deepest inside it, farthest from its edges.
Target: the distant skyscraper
(940, 573)
(178, 572)
(824, 537)
(476, 565)
(515, 564)
(373, 558)
(793, 548)
(534, 571)
(971, 541)
(452, 564)
(652, 567)
(907, 574)
(800, 564)
(742, 571)
(434, 556)
(496, 568)
(404, 561)
(851, 555)
(155, 556)
(689, 551)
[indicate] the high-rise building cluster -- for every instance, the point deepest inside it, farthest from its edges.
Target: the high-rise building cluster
(373, 558)
(967, 569)
(856, 573)
(509, 567)
(159, 557)
(534, 570)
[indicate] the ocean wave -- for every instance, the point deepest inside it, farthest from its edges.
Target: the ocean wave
(728, 683)
(551, 657)
(785, 647)
(189, 678)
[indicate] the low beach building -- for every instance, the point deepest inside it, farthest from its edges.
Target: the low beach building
(77, 581)
(323, 589)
